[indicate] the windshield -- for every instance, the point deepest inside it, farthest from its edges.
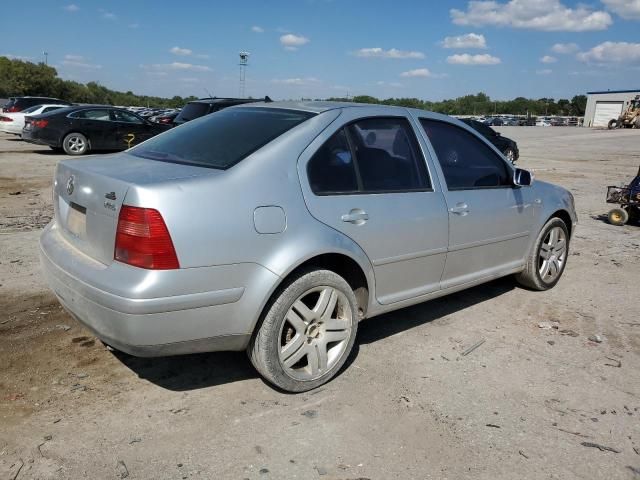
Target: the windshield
(193, 110)
(222, 139)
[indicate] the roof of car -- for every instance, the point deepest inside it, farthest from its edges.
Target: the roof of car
(314, 106)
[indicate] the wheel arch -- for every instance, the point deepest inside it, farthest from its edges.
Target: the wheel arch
(565, 217)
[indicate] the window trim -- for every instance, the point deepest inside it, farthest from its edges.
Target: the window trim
(484, 140)
(350, 142)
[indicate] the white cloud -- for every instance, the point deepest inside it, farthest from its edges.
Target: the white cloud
(470, 40)
(545, 71)
(72, 7)
(181, 51)
(565, 48)
(178, 66)
(627, 9)
(467, 59)
(547, 15)
(107, 15)
(292, 42)
(418, 72)
(297, 81)
(78, 61)
(612, 52)
(548, 59)
(378, 52)
(257, 29)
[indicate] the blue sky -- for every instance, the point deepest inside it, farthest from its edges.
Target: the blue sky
(320, 48)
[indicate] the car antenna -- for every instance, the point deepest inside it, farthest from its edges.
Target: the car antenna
(208, 92)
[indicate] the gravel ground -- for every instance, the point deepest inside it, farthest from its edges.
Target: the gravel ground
(528, 403)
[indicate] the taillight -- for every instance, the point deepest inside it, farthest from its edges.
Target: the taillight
(12, 109)
(40, 123)
(142, 240)
(6, 119)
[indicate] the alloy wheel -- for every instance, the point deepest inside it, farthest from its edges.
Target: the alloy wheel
(553, 253)
(76, 144)
(315, 333)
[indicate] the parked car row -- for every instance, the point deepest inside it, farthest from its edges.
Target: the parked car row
(508, 147)
(79, 129)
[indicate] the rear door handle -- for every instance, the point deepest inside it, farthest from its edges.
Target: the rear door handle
(460, 209)
(356, 216)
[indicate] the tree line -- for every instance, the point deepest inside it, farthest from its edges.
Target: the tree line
(482, 104)
(18, 77)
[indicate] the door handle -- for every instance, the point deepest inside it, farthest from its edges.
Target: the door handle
(460, 209)
(356, 216)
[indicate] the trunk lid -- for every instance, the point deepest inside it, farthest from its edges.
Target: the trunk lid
(88, 195)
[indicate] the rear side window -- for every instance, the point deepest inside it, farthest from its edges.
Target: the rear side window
(222, 139)
(466, 161)
(125, 117)
(50, 109)
(92, 115)
(369, 156)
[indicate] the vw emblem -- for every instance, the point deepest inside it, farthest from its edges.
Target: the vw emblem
(70, 185)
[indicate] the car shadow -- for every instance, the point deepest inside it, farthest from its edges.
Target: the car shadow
(202, 370)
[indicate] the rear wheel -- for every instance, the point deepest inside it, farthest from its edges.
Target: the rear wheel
(618, 216)
(548, 257)
(307, 332)
(636, 124)
(75, 144)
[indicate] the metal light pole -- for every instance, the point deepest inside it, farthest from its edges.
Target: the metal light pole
(244, 61)
(46, 57)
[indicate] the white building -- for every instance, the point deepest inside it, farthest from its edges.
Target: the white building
(605, 106)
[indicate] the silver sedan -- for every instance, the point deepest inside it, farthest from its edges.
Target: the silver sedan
(276, 228)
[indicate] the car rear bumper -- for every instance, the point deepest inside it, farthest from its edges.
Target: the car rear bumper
(140, 315)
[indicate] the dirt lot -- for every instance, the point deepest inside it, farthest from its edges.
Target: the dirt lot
(527, 403)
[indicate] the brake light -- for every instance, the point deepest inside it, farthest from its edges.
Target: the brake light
(142, 240)
(40, 123)
(6, 119)
(12, 109)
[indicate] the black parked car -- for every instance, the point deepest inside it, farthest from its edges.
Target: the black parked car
(18, 104)
(77, 130)
(507, 146)
(205, 106)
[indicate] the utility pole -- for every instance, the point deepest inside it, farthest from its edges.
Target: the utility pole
(46, 57)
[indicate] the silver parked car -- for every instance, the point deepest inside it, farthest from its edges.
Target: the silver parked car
(276, 228)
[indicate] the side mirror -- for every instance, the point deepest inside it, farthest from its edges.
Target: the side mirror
(522, 178)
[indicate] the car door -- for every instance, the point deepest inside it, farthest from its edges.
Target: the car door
(131, 129)
(490, 220)
(367, 178)
(96, 125)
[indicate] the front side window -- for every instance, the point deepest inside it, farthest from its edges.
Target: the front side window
(125, 117)
(466, 161)
(50, 109)
(222, 139)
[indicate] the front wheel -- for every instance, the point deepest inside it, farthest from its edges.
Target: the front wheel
(75, 144)
(548, 257)
(612, 124)
(618, 216)
(307, 332)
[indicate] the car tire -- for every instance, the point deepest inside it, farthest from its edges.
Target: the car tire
(510, 154)
(618, 216)
(75, 144)
(307, 331)
(548, 257)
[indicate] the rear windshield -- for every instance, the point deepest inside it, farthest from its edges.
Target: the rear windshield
(222, 139)
(193, 110)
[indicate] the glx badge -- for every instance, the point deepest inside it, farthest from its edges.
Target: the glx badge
(70, 185)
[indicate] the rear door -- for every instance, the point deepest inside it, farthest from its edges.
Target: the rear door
(489, 219)
(367, 177)
(96, 125)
